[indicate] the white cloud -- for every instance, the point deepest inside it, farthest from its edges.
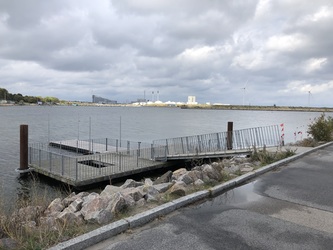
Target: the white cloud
(314, 64)
(286, 43)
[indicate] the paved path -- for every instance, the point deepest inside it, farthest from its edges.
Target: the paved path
(290, 208)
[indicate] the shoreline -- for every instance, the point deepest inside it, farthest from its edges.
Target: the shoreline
(190, 106)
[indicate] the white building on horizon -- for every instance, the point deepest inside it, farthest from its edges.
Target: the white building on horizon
(191, 100)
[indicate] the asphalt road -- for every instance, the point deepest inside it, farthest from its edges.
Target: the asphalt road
(291, 208)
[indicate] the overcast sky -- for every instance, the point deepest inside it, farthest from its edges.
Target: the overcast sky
(258, 52)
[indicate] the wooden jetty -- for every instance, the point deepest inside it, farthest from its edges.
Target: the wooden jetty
(80, 163)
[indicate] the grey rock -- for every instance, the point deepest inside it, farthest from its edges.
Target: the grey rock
(212, 173)
(186, 178)
(135, 193)
(246, 169)
(55, 206)
(131, 183)
(140, 203)
(76, 205)
(148, 182)
(164, 178)
(70, 218)
(178, 189)
(118, 203)
(87, 199)
(110, 190)
(95, 210)
(179, 172)
(163, 187)
(72, 197)
(199, 183)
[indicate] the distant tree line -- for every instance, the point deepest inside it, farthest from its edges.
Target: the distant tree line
(19, 98)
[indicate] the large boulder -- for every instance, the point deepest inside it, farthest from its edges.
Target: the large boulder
(118, 203)
(164, 178)
(178, 189)
(56, 206)
(195, 175)
(135, 193)
(95, 210)
(67, 217)
(148, 182)
(75, 206)
(72, 197)
(110, 190)
(87, 199)
(179, 172)
(163, 187)
(151, 193)
(199, 183)
(212, 173)
(232, 169)
(186, 178)
(218, 166)
(131, 183)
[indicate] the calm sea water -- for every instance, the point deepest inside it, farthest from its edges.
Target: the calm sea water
(136, 124)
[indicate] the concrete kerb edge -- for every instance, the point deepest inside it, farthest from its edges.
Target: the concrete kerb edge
(88, 239)
(120, 226)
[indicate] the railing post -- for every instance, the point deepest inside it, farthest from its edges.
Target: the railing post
(62, 165)
(119, 155)
(50, 161)
(229, 135)
(152, 153)
(138, 155)
(100, 164)
(182, 142)
(40, 158)
(199, 144)
(218, 141)
(128, 147)
(106, 144)
(76, 169)
(116, 145)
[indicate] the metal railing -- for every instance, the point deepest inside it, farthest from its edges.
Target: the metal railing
(80, 160)
(222, 141)
(78, 167)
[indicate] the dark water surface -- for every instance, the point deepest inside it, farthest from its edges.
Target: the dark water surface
(130, 123)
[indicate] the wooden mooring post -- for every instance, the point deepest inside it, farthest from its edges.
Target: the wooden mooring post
(24, 150)
(229, 135)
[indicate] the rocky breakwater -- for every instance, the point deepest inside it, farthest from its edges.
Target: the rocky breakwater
(113, 201)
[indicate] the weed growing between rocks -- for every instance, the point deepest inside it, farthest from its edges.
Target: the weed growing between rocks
(264, 157)
(22, 225)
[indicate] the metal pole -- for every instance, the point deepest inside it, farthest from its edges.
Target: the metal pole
(24, 147)
(120, 132)
(229, 135)
(90, 149)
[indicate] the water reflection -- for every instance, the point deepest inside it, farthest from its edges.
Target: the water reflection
(234, 197)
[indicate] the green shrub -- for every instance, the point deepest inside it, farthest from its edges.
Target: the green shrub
(322, 128)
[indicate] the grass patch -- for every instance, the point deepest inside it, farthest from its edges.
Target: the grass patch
(265, 157)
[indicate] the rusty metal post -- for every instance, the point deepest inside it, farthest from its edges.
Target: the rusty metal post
(24, 147)
(229, 135)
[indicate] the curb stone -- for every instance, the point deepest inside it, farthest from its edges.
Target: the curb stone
(88, 239)
(105, 232)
